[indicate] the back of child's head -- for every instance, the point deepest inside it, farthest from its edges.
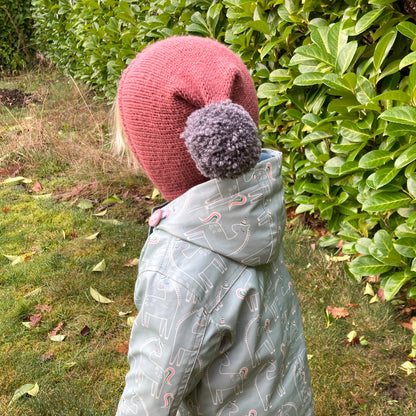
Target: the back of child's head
(189, 112)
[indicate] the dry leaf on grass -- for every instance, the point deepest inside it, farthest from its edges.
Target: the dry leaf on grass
(57, 329)
(37, 187)
(132, 262)
(31, 389)
(409, 325)
(85, 331)
(99, 267)
(337, 312)
(45, 357)
(358, 399)
(123, 347)
(43, 308)
(35, 320)
(380, 295)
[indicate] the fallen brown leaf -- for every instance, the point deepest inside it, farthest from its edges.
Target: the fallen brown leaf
(43, 308)
(85, 331)
(37, 187)
(337, 312)
(358, 399)
(380, 295)
(57, 329)
(373, 279)
(340, 244)
(45, 357)
(131, 263)
(408, 325)
(34, 320)
(123, 348)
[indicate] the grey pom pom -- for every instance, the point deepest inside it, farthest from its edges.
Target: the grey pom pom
(222, 140)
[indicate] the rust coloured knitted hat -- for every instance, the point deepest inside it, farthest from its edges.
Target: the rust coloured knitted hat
(160, 89)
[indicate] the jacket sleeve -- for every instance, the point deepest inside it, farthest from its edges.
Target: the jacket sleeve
(164, 347)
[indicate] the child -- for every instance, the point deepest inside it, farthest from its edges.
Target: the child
(219, 330)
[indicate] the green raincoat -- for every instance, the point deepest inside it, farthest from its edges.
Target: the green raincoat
(219, 330)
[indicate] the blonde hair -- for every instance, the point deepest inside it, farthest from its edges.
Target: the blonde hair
(119, 143)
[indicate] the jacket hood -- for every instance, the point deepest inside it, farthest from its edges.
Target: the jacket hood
(242, 219)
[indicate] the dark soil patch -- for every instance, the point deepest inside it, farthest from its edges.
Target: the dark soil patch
(15, 98)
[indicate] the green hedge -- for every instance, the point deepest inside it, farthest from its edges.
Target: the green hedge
(16, 45)
(337, 88)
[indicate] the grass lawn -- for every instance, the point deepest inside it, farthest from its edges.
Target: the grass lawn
(72, 223)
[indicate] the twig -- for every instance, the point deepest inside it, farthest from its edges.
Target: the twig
(88, 107)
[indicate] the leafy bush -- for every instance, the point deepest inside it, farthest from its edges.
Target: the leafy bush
(16, 48)
(337, 87)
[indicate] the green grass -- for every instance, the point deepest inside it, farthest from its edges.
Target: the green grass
(61, 267)
(372, 373)
(61, 141)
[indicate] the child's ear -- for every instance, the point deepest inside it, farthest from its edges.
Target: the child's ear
(119, 143)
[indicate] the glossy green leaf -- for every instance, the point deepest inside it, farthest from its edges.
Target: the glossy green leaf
(364, 90)
(367, 20)
(304, 208)
(335, 82)
(310, 78)
(319, 35)
(349, 167)
(406, 246)
(374, 159)
(383, 47)
(268, 47)
(368, 266)
(337, 39)
(315, 136)
(389, 69)
(395, 129)
(407, 29)
(280, 75)
(402, 115)
(314, 188)
(382, 177)
(341, 105)
(381, 2)
(315, 52)
(393, 284)
(408, 156)
(393, 95)
(411, 185)
(333, 166)
(383, 250)
(409, 59)
(384, 201)
(214, 14)
(268, 90)
(362, 246)
(353, 133)
(345, 57)
(260, 26)
(411, 82)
